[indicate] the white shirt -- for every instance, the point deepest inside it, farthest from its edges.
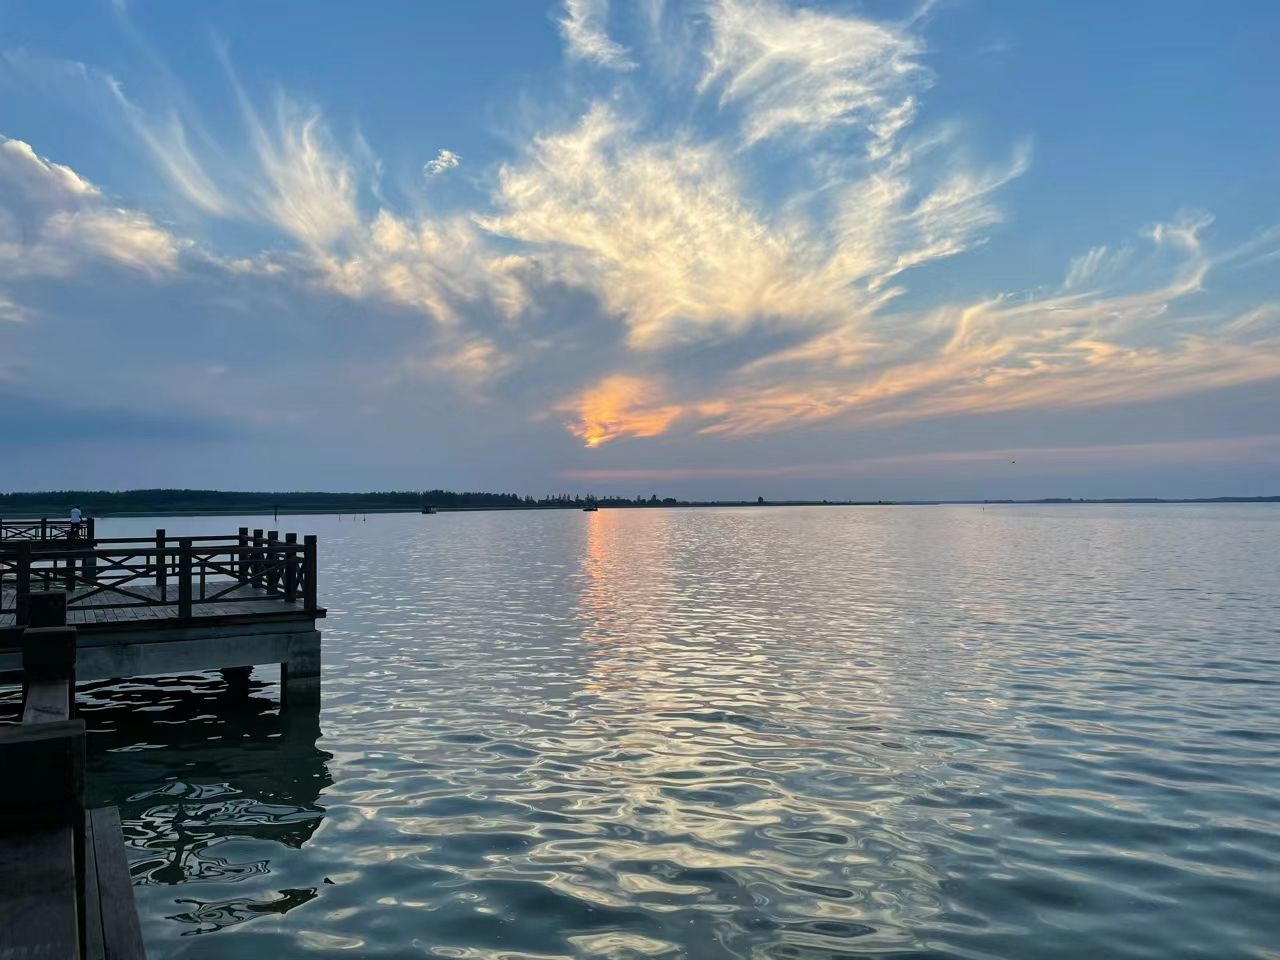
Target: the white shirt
(75, 514)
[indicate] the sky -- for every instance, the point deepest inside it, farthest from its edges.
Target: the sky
(715, 248)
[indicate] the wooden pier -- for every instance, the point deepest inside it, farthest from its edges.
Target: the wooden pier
(65, 892)
(74, 606)
(160, 605)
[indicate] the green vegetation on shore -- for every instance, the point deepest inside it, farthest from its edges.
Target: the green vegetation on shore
(173, 501)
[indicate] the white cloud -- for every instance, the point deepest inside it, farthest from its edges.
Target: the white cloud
(444, 160)
(660, 230)
(802, 71)
(780, 286)
(663, 230)
(51, 218)
(11, 312)
(168, 143)
(1135, 338)
(309, 189)
(441, 267)
(586, 38)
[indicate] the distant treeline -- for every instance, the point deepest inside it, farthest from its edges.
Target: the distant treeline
(56, 503)
(105, 502)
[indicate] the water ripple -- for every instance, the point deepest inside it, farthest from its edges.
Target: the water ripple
(763, 733)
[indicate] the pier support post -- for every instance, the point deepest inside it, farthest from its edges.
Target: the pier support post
(47, 608)
(236, 679)
(300, 674)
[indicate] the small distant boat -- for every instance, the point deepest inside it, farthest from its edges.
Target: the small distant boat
(591, 509)
(428, 509)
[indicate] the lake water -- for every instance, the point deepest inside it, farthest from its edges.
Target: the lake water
(1018, 732)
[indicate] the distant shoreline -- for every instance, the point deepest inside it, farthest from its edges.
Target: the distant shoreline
(177, 503)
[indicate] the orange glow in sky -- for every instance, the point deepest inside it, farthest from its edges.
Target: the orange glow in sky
(619, 406)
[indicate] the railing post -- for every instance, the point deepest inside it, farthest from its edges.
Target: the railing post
(90, 564)
(309, 571)
(273, 576)
(290, 568)
(22, 596)
(162, 567)
(184, 579)
(243, 564)
(44, 528)
(255, 568)
(89, 528)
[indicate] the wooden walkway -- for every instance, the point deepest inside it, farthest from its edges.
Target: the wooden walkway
(65, 890)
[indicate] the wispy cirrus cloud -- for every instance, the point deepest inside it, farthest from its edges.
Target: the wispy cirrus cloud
(746, 258)
(585, 36)
(801, 71)
(1138, 337)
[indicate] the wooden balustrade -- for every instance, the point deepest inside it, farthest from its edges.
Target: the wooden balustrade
(42, 529)
(191, 572)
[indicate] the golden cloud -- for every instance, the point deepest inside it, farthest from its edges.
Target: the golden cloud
(619, 406)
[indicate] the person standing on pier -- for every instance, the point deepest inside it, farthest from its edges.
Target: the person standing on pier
(75, 523)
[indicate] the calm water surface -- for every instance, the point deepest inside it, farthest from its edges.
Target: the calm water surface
(1024, 732)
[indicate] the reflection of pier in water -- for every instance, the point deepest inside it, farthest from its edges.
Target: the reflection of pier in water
(196, 762)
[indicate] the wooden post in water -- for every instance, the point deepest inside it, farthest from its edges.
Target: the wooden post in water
(184, 579)
(48, 661)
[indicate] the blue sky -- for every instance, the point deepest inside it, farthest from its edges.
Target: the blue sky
(719, 248)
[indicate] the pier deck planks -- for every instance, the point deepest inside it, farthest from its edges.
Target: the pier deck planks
(102, 610)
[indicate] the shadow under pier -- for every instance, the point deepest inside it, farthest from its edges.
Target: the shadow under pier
(192, 762)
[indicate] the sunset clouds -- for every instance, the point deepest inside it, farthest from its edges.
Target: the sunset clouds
(618, 406)
(736, 219)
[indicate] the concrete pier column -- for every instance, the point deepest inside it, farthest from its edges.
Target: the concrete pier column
(300, 673)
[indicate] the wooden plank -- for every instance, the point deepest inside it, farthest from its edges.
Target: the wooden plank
(256, 612)
(121, 931)
(47, 701)
(93, 946)
(38, 916)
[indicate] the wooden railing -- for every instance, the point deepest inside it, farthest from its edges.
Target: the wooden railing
(127, 572)
(43, 529)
